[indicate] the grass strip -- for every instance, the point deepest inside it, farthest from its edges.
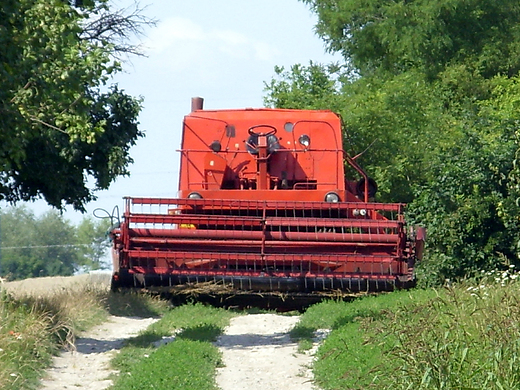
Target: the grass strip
(182, 364)
(345, 360)
(188, 362)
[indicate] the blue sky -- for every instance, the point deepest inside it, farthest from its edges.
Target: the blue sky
(221, 50)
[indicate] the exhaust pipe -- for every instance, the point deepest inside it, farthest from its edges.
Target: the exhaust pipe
(197, 103)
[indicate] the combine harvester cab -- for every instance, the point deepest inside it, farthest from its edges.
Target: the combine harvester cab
(264, 206)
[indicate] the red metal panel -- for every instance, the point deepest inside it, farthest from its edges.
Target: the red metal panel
(206, 237)
(224, 220)
(166, 271)
(170, 262)
(252, 244)
(202, 128)
(171, 219)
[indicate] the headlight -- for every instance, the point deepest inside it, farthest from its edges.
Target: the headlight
(215, 146)
(194, 195)
(332, 197)
(304, 140)
(360, 212)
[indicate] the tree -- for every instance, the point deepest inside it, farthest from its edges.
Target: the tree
(396, 36)
(93, 237)
(49, 245)
(59, 121)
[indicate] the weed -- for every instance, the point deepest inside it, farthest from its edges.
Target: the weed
(462, 339)
(34, 328)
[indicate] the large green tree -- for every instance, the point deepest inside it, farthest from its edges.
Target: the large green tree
(60, 122)
(431, 89)
(396, 36)
(93, 235)
(48, 245)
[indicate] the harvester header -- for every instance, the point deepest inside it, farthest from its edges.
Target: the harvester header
(264, 206)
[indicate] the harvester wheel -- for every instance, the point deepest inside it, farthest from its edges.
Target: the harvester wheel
(115, 284)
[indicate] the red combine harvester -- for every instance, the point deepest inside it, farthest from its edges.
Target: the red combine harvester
(264, 206)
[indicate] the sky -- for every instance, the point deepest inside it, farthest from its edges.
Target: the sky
(221, 50)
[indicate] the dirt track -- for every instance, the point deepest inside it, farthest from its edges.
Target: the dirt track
(259, 355)
(257, 351)
(87, 366)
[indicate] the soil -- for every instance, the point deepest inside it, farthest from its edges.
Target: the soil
(257, 352)
(87, 367)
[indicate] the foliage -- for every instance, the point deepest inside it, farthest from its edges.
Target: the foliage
(397, 36)
(48, 245)
(60, 123)
(93, 236)
(311, 87)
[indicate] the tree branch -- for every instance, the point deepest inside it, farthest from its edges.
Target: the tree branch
(34, 119)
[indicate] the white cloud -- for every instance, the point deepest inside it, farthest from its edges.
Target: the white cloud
(172, 31)
(184, 40)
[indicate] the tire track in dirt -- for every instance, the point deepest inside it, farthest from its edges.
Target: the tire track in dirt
(258, 354)
(87, 366)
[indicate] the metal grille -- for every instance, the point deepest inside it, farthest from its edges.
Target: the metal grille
(267, 242)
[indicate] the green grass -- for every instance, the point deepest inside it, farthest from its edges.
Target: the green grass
(188, 362)
(345, 360)
(333, 314)
(182, 364)
(35, 327)
(462, 338)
